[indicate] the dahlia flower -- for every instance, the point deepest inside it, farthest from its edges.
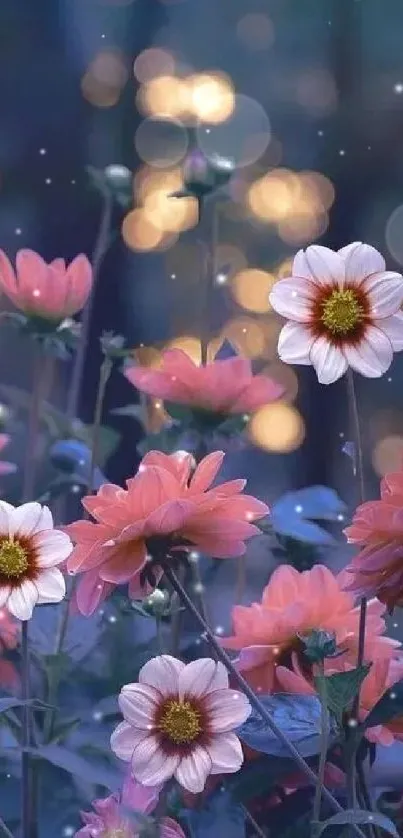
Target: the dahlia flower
(382, 675)
(267, 633)
(164, 500)
(343, 310)
(30, 549)
(108, 821)
(221, 386)
(377, 527)
(49, 292)
(179, 721)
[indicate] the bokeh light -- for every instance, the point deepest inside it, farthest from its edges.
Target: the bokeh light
(246, 335)
(251, 289)
(316, 91)
(192, 346)
(139, 233)
(165, 96)
(229, 259)
(153, 191)
(277, 428)
(211, 96)
(255, 31)
(152, 63)
(243, 137)
(302, 227)
(105, 79)
(161, 142)
(387, 453)
(394, 234)
(285, 375)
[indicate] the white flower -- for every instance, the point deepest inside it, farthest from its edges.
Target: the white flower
(30, 549)
(178, 723)
(343, 310)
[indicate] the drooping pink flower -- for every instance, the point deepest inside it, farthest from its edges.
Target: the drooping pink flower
(5, 467)
(164, 499)
(179, 721)
(50, 292)
(30, 550)
(108, 819)
(377, 527)
(343, 310)
(294, 603)
(220, 386)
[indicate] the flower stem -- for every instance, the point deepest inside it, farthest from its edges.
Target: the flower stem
(244, 686)
(28, 828)
(5, 830)
(255, 826)
(40, 375)
(324, 727)
(207, 284)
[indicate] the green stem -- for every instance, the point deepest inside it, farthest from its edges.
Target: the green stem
(26, 803)
(324, 727)
(5, 830)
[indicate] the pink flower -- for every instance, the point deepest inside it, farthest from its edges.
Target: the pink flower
(108, 820)
(49, 292)
(343, 311)
(220, 386)
(30, 550)
(293, 604)
(164, 499)
(178, 722)
(6, 468)
(377, 527)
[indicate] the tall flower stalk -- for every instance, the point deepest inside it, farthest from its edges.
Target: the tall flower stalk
(324, 727)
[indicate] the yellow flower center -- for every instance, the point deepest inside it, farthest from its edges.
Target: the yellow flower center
(180, 722)
(342, 312)
(13, 559)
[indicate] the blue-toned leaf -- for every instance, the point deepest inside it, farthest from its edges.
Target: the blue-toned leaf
(293, 513)
(298, 716)
(220, 817)
(9, 703)
(358, 816)
(342, 687)
(79, 766)
(388, 707)
(74, 457)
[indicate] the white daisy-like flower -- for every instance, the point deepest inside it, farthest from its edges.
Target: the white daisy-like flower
(343, 310)
(30, 549)
(179, 722)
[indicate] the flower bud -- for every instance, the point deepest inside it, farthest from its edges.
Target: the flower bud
(118, 176)
(157, 603)
(203, 175)
(319, 645)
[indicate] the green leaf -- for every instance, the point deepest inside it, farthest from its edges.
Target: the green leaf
(9, 703)
(135, 411)
(62, 730)
(87, 769)
(388, 707)
(358, 816)
(341, 688)
(179, 412)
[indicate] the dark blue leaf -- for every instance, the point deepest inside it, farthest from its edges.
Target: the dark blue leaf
(298, 716)
(358, 816)
(219, 817)
(83, 767)
(293, 513)
(74, 456)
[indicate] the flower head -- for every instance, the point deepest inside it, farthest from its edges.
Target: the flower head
(47, 292)
(221, 386)
(343, 310)
(178, 722)
(166, 504)
(294, 603)
(30, 550)
(377, 527)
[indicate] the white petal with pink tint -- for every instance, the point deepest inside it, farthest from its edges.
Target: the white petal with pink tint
(162, 673)
(293, 298)
(52, 546)
(124, 740)
(361, 260)
(6, 511)
(328, 360)
(150, 764)
(193, 770)
(326, 266)
(226, 754)
(22, 600)
(25, 518)
(202, 676)
(51, 586)
(348, 249)
(300, 266)
(5, 591)
(392, 327)
(385, 293)
(372, 356)
(227, 709)
(295, 343)
(138, 703)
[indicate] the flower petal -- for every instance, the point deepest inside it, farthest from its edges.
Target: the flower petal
(393, 328)
(385, 293)
(138, 703)
(361, 260)
(25, 518)
(227, 709)
(328, 360)
(326, 266)
(225, 752)
(206, 472)
(201, 677)
(52, 547)
(151, 765)
(51, 586)
(372, 356)
(5, 591)
(162, 673)
(22, 600)
(300, 266)
(193, 770)
(295, 343)
(124, 739)
(6, 511)
(294, 298)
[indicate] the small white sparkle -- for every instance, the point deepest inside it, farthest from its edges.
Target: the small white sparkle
(249, 516)
(390, 379)
(369, 148)
(42, 151)
(158, 405)
(298, 508)
(398, 88)
(103, 36)
(221, 279)
(352, 723)
(395, 625)
(75, 489)
(48, 180)
(208, 130)
(244, 330)
(112, 618)
(36, 293)
(340, 517)
(68, 831)
(194, 556)
(198, 588)
(73, 182)
(173, 276)
(320, 133)
(294, 294)
(18, 231)
(341, 435)
(97, 716)
(342, 152)
(392, 695)
(219, 630)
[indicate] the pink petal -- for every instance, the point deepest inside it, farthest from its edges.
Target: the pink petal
(138, 704)
(79, 282)
(126, 560)
(151, 765)
(193, 770)
(171, 829)
(225, 752)
(124, 740)
(294, 298)
(362, 260)
(294, 344)
(227, 709)
(7, 276)
(385, 293)
(140, 798)
(201, 677)
(206, 472)
(328, 360)
(372, 356)
(170, 517)
(162, 673)
(90, 592)
(392, 327)
(326, 266)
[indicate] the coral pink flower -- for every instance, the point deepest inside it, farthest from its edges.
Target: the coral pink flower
(293, 604)
(220, 386)
(30, 550)
(179, 722)
(108, 821)
(164, 499)
(382, 675)
(6, 468)
(343, 311)
(377, 527)
(49, 292)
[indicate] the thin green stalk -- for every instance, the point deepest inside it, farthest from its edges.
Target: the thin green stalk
(26, 803)
(324, 729)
